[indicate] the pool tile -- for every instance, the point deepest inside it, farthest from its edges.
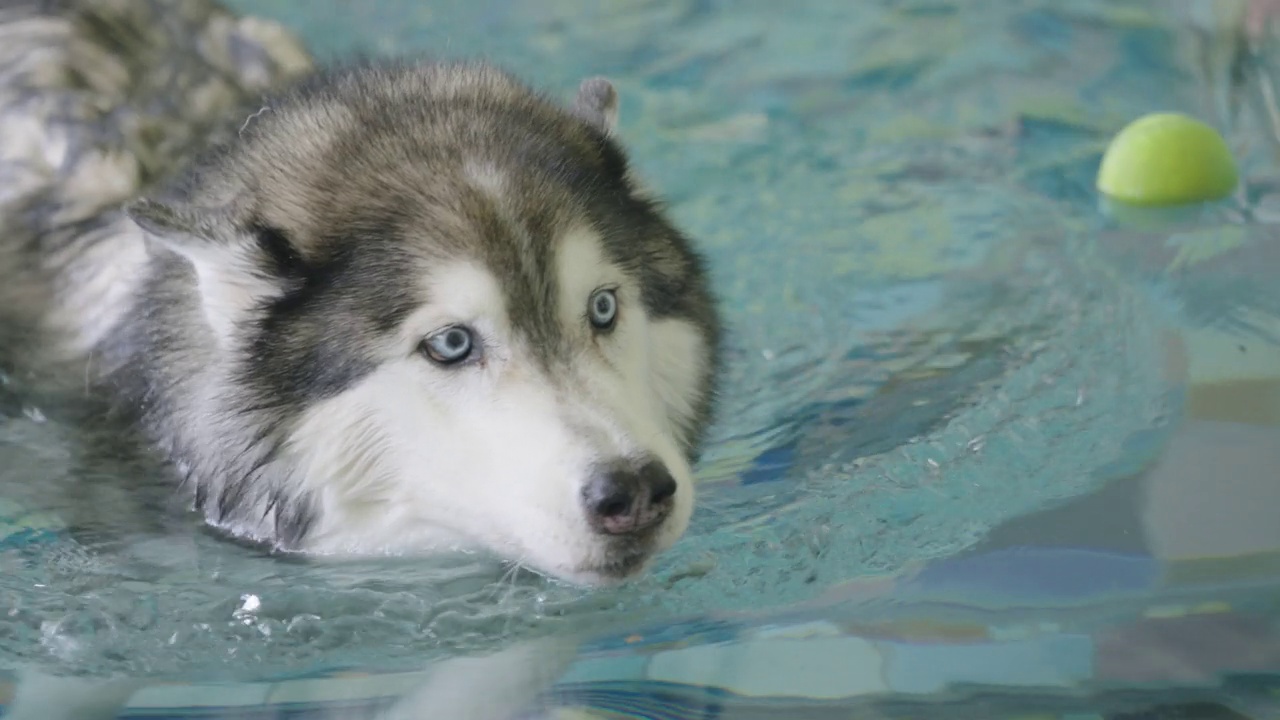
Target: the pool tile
(799, 631)
(8, 689)
(569, 713)
(606, 669)
(819, 668)
(1058, 661)
(199, 696)
(351, 688)
(1190, 649)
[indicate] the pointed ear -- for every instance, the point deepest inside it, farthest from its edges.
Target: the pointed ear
(179, 226)
(197, 208)
(202, 236)
(597, 103)
(160, 218)
(233, 274)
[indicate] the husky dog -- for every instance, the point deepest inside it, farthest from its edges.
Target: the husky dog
(397, 307)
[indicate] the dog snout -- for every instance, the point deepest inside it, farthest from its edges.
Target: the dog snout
(621, 501)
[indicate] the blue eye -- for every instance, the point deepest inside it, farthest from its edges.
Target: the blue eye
(602, 309)
(449, 346)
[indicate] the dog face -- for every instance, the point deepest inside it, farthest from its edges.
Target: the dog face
(450, 319)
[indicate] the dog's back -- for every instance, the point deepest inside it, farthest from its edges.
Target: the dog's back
(99, 100)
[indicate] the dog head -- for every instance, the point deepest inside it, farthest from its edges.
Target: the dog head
(455, 317)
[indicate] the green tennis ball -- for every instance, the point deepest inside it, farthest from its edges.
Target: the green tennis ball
(1167, 159)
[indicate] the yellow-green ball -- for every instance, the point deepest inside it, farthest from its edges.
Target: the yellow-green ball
(1167, 159)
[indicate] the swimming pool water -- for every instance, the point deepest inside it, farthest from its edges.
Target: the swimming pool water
(933, 328)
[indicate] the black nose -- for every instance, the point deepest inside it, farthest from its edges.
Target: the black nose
(622, 500)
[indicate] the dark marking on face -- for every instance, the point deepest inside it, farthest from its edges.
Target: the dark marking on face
(314, 340)
(515, 245)
(285, 261)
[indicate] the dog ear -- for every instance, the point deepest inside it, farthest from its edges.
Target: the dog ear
(597, 103)
(171, 219)
(237, 268)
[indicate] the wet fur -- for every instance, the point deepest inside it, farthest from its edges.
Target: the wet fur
(256, 316)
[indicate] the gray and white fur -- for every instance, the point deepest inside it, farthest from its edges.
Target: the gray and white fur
(396, 307)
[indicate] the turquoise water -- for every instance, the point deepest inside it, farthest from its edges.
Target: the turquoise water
(949, 369)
